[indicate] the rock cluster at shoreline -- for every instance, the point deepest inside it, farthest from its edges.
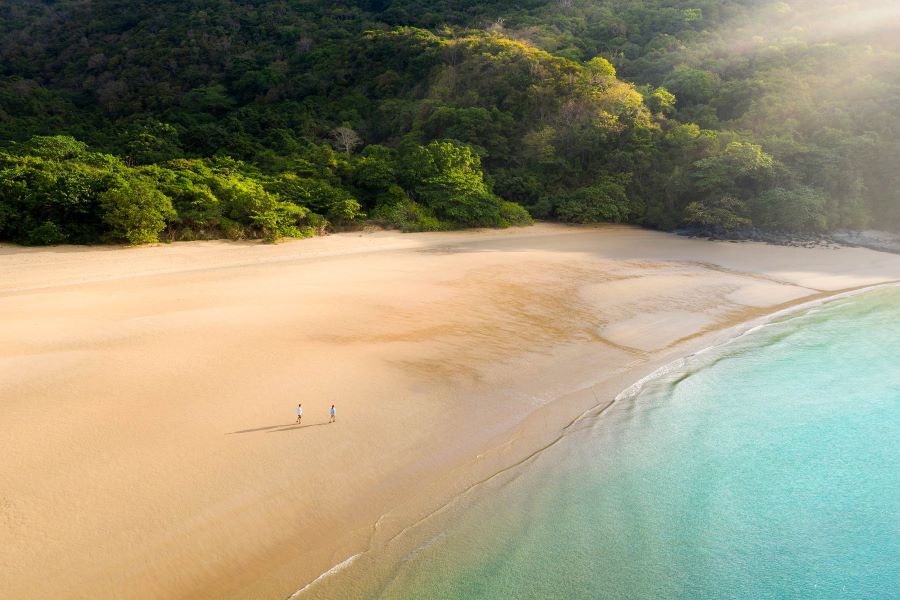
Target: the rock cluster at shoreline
(874, 240)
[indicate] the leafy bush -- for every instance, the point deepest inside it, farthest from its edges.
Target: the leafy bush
(513, 215)
(604, 201)
(319, 195)
(407, 216)
(136, 211)
(35, 192)
(317, 223)
(282, 221)
(725, 213)
(345, 210)
(375, 169)
(232, 229)
(447, 177)
(46, 234)
(802, 209)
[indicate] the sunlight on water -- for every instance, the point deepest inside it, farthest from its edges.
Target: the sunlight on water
(767, 469)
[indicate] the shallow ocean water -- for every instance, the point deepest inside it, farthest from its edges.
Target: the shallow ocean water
(768, 467)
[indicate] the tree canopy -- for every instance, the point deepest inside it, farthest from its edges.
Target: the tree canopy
(280, 118)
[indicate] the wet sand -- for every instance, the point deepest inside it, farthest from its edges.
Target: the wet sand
(150, 445)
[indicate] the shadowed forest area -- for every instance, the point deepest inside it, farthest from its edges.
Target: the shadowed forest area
(143, 120)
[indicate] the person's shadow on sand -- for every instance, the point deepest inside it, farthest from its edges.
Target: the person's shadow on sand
(297, 427)
(276, 428)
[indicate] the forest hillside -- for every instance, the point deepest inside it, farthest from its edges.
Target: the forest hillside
(142, 120)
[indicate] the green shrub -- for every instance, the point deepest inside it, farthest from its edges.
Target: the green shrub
(407, 216)
(345, 210)
(186, 234)
(319, 196)
(604, 201)
(35, 191)
(374, 169)
(801, 209)
(317, 223)
(232, 229)
(46, 234)
(136, 211)
(726, 212)
(392, 195)
(513, 215)
(446, 176)
(479, 209)
(523, 189)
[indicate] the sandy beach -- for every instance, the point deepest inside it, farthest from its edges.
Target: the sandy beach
(149, 440)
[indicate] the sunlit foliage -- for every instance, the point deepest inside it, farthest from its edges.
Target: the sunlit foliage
(277, 118)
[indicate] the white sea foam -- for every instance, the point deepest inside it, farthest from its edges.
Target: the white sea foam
(635, 388)
(338, 567)
(804, 308)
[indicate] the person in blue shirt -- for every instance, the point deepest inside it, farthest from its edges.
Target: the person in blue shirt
(333, 418)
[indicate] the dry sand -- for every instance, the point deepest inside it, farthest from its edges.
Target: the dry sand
(148, 394)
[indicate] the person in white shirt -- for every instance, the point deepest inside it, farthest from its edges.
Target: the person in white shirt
(299, 412)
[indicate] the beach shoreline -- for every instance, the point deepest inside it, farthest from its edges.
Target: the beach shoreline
(580, 313)
(644, 374)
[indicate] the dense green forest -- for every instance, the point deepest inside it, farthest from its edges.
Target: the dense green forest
(140, 120)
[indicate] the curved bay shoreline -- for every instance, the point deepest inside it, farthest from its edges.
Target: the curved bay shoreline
(389, 551)
(465, 353)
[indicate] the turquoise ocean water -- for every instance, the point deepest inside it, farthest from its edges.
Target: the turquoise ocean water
(765, 468)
